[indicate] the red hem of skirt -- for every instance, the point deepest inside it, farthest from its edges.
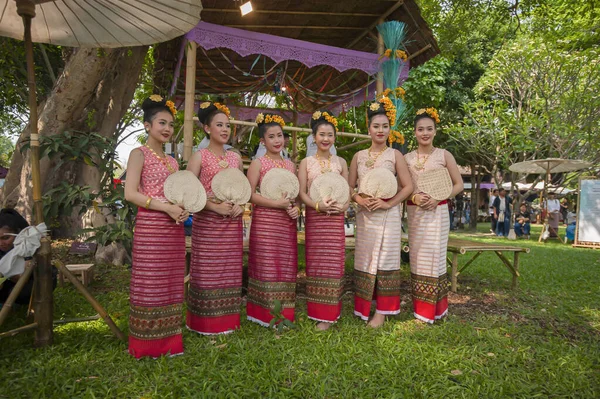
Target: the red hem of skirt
(264, 315)
(362, 306)
(213, 325)
(430, 311)
(172, 345)
(388, 303)
(322, 312)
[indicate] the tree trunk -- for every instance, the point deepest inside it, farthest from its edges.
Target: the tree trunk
(91, 95)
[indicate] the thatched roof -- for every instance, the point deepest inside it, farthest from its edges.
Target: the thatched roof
(345, 24)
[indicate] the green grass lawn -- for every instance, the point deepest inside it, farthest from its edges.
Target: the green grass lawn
(542, 340)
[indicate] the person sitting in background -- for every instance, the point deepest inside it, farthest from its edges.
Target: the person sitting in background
(522, 219)
(11, 224)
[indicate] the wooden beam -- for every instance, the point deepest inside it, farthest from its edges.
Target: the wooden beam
(383, 16)
(293, 27)
(419, 52)
(290, 12)
(190, 88)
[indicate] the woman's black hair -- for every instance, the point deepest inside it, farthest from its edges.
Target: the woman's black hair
(151, 108)
(12, 220)
(315, 123)
(206, 115)
(423, 116)
(371, 114)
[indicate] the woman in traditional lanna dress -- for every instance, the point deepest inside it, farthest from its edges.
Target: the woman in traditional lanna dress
(214, 297)
(378, 222)
(273, 256)
(158, 267)
(428, 222)
(325, 237)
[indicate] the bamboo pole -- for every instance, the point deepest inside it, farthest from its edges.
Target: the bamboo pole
(7, 306)
(86, 294)
(380, 51)
(348, 146)
(18, 330)
(190, 89)
(43, 269)
(298, 129)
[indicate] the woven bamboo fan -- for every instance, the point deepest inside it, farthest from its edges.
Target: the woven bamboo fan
(231, 185)
(378, 183)
(184, 188)
(279, 182)
(436, 183)
(330, 185)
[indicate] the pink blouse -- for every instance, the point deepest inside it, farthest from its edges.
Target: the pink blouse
(266, 164)
(210, 167)
(154, 174)
(314, 168)
(386, 160)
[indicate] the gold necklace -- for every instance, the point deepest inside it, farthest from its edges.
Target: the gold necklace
(420, 164)
(163, 160)
(371, 161)
(223, 164)
(324, 169)
(278, 163)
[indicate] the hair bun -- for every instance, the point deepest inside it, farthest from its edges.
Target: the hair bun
(375, 108)
(154, 101)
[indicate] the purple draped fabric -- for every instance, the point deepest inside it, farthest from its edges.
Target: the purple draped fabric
(243, 42)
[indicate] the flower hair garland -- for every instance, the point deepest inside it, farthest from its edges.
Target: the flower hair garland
(262, 118)
(432, 112)
(221, 107)
(327, 116)
(388, 106)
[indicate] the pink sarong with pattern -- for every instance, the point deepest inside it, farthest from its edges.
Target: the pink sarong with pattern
(158, 270)
(325, 254)
(273, 258)
(214, 297)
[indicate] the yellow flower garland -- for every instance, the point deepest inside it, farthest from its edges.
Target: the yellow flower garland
(171, 105)
(432, 112)
(223, 108)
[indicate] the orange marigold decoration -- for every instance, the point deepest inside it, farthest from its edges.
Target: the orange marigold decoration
(396, 137)
(432, 112)
(274, 118)
(223, 108)
(171, 105)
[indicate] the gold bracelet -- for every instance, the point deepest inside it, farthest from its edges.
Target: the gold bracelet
(412, 199)
(297, 207)
(148, 201)
(317, 207)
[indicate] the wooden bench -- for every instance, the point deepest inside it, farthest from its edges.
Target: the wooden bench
(85, 271)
